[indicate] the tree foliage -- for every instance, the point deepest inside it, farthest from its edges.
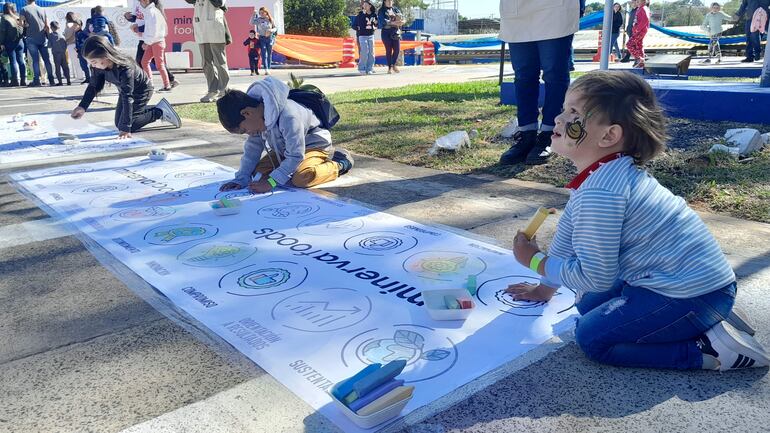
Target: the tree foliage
(316, 17)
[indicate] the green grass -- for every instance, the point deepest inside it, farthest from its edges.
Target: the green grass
(401, 124)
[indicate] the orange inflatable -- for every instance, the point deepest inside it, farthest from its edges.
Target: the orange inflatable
(323, 50)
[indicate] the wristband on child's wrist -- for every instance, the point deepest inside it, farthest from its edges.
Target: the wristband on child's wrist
(534, 262)
(272, 182)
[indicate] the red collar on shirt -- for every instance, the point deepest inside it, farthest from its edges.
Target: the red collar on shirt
(580, 178)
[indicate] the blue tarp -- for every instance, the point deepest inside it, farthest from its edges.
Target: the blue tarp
(596, 19)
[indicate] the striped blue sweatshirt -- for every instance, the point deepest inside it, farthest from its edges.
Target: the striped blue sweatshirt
(621, 224)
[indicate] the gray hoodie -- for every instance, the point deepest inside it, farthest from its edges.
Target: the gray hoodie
(291, 128)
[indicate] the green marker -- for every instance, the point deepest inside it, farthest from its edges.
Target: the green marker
(471, 285)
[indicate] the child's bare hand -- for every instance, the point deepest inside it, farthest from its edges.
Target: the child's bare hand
(230, 186)
(531, 292)
(260, 187)
(124, 135)
(78, 112)
(524, 248)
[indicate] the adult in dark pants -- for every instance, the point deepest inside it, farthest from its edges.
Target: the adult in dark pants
(630, 28)
(390, 20)
(753, 45)
(617, 23)
(136, 16)
(539, 36)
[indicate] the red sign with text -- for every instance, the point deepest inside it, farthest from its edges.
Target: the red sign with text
(182, 38)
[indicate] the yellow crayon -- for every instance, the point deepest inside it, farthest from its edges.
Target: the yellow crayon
(535, 222)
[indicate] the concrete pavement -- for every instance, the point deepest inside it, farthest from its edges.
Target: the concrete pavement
(80, 352)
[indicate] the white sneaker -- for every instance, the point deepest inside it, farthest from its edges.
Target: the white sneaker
(210, 97)
(736, 349)
(169, 115)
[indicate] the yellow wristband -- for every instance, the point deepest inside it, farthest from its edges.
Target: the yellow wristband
(534, 263)
(272, 182)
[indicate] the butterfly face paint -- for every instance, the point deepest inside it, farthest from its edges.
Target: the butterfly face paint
(576, 129)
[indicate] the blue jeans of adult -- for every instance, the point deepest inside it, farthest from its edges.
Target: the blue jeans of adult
(366, 53)
(753, 46)
(392, 46)
(15, 55)
(614, 45)
(529, 58)
(84, 66)
(36, 50)
(631, 326)
(266, 51)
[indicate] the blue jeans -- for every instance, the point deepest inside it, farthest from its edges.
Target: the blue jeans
(366, 53)
(631, 326)
(84, 66)
(529, 58)
(266, 51)
(36, 50)
(16, 61)
(614, 45)
(753, 46)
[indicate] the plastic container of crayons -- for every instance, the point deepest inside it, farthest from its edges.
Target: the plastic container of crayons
(226, 206)
(448, 304)
(383, 399)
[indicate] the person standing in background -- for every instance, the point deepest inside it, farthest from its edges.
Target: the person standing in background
(12, 41)
(252, 42)
(35, 20)
(59, 52)
(154, 36)
(136, 16)
(212, 36)
(617, 23)
(365, 24)
(641, 25)
(70, 28)
(629, 29)
(753, 45)
(266, 31)
(539, 39)
(390, 20)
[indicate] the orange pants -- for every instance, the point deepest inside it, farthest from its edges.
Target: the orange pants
(315, 169)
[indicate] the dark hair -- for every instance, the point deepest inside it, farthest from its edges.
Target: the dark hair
(9, 9)
(99, 47)
(715, 4)
(54, 25)
(230, 105)
(252, 31)
(625, 99)
(97, 10)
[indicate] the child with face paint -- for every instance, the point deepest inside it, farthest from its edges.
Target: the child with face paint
(653, 287)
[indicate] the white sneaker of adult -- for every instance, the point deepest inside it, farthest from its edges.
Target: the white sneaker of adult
(736, 349)
(169, 115)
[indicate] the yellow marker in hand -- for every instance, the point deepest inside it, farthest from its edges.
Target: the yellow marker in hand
(535, 222)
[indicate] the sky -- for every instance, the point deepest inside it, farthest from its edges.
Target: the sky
(491, 8)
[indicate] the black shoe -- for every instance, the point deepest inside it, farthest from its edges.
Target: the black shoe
(84, 81)
(344, 159)
(541, 151)
(23, 83)
(523, 142)
(571, 68)
(747, 60)
(14, 84)
(34, 84)
(626, 58)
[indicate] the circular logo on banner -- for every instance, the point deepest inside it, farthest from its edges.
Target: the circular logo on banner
(190, 174)
(180, 233)
(148, 213)
(427, 353)
(288, 210)
(330, 225)
(444, 265)
(264, 279)
(493, 293)
(322, 311)
(95, 189)
(216, 254)
(241, 194)
(380, 243)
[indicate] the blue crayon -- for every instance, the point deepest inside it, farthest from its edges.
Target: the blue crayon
(375, 394)
(375, 379)
(344, 388)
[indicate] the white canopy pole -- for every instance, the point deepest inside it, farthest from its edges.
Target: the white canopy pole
(604, 63)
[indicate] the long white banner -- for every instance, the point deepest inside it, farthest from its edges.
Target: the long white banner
(310, 288)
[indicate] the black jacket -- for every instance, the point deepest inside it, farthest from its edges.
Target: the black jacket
(750, 6)
(365, 24)
(617, 22)
(132, 83)
(630, 24)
